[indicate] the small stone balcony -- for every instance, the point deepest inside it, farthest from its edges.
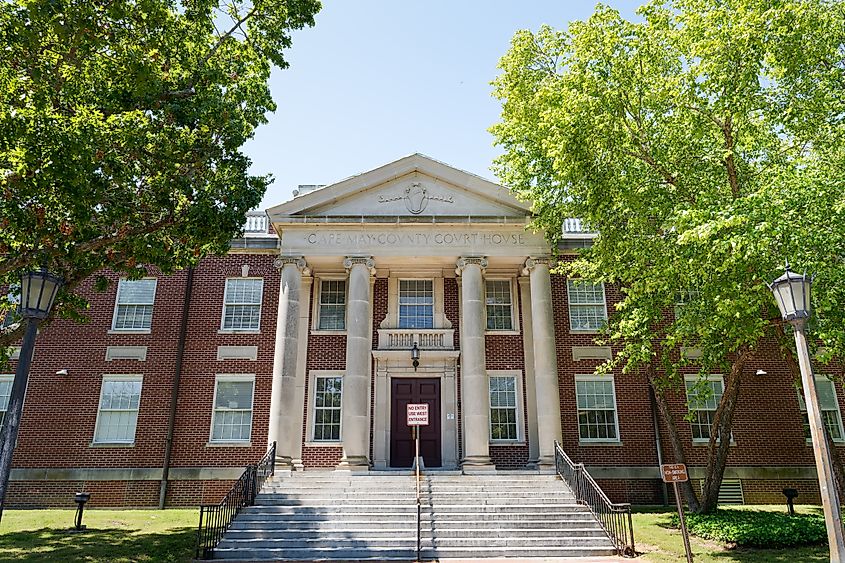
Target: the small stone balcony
(425, 338)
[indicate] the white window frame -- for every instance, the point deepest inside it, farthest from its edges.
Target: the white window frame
(514, 317)
(520, 416)
(392, 319)
(117, 304)
(312, 406)
(315, 309)
(603, 379)
(802, 407)
(231, 377)
(5, 408)
(117, 377)
(694, 379)
(569, 306)
(433, 302)
(223, 329)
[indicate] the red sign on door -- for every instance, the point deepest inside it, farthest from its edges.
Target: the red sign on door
(417, 414)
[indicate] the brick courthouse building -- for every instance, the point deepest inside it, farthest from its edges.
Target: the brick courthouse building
(306, 338)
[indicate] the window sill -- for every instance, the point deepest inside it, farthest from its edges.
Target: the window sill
(127, 331)
(317, 331)
(809, 442)
(507, 442)
(111, 445)
(600, 443)
(324, 444)
(706, 442)
(228, 445)
(490, 332)
(238, 331)
(583, 331)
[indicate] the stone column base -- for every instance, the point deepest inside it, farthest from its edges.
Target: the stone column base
(477, 465)
(353, 463)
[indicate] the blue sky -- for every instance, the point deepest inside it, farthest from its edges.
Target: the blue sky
(376, 80)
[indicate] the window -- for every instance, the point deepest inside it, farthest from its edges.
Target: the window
(242, 304)
(5, 393)
(684, 298)
(499, 305)
(120, 397)
(232, 417)
(332, 305)
(503, 419)
(596, 399)
(416, 304)
(587, 310)
(328, 392)
(134, 310)
(829, 406)
(703, 399)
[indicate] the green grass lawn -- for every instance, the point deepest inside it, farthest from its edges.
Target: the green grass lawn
(112, 535)
(657, 541)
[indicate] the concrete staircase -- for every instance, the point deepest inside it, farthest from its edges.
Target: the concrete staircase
(342, 516)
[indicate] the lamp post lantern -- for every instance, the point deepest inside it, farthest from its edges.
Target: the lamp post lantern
(415, 356)
(38, 291)
(792, 293)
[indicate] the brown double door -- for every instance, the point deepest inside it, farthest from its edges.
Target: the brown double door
(416, 390)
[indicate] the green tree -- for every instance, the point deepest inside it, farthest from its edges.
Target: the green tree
(704, 143)
(121, 130)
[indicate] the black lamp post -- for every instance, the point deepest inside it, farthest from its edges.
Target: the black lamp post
(792, 293)
(415, 356)
(38, 291)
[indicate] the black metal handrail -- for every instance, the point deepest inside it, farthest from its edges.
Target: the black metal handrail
(216, 518)
(615, 518)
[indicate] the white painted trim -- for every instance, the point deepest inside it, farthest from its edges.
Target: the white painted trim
(115, 330)
(712, 377)
(515, 329)
(569, 308)
(312, 407)
(225, 377)
(315, 301)
(117, 377)
(520, 405)
(818, 377)
(223, 308)
(606, 441)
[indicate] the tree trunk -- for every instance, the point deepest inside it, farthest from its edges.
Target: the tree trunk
(720, 435)
(674, 437)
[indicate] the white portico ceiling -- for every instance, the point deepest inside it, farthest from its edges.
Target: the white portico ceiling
(413, 186)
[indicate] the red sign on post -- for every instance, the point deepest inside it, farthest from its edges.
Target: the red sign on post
(417, 414)
(674, 473)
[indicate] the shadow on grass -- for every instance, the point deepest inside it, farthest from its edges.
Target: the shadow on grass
(98, 545)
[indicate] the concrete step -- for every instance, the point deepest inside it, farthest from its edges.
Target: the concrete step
(375, 535)
(409, 541)
(457, 499)
(386, 554)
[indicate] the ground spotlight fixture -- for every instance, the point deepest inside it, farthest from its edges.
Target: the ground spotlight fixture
(415, 356)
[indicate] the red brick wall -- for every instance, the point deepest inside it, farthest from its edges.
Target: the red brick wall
(451, 308)
(325, 352)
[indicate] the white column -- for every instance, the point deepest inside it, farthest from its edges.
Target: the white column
(545, 359)
(355, 420)
(475, 410)
(530, 384)
(283, 411)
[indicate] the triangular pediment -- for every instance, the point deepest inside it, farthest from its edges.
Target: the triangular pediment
(413, 186)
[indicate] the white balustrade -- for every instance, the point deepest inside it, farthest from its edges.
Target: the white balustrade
(425, 339)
